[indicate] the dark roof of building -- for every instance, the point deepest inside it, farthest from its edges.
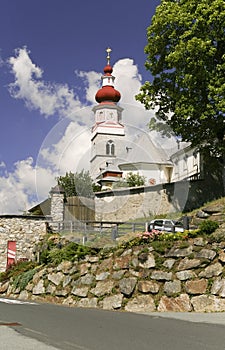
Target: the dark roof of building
(43, 208)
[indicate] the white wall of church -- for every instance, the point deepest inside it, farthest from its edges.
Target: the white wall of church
(150, 174)
(103, 153)
(186, 164)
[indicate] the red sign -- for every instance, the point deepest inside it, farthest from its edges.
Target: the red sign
(11, 253)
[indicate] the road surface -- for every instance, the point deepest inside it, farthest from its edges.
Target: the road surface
(91, 329)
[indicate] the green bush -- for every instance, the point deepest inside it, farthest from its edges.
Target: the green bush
(208, 226)
(17, 269)
(22, 280)
(161, 246)
(69, 252)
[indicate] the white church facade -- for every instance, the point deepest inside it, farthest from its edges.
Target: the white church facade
(114, 154)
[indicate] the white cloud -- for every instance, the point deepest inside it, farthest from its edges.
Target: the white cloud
(18, 188)
(68, 153)
(48, 98)
(128, 80)
(67, 146)
(92, 80)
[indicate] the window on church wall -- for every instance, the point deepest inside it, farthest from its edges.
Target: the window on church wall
(110, 148)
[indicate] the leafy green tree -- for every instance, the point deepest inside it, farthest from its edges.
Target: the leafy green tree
(186, 58)
(134, 180)
(131, 180)
(78, 184)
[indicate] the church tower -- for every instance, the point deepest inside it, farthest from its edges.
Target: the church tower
(108, 131)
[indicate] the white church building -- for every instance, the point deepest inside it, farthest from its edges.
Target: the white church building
(114, 154)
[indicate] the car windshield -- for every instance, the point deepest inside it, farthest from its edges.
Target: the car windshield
(178, 223)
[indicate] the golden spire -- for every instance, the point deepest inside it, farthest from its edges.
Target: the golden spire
(108, 50)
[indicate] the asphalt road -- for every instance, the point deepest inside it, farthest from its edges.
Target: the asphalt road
(89, 329)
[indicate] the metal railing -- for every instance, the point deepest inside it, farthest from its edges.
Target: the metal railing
(91, 230)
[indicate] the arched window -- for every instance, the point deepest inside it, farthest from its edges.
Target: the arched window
(110, 148)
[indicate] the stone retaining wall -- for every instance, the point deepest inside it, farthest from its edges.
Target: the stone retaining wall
(144, 201)
(190, 276)
(26, 231)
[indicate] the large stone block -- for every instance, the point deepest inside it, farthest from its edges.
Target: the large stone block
(127, 285)
(179, 304)
(146, 260)
(24, 295)
(84, 268)
(87, 302)
(198, 286)
(148, 287)
(87, 279)
(102, 276)
(102, 288)
(185, 275)
(161, 276)
(80, 291)
(39, 288)
(141, 303)
(122, 262)
(4, 286)
(172, 287)
(179, 252)
(208, 303)
(218, 287)
(222, 257)
(186, 264)
(65, 267)
(213, 270)
(168, 263)
(206, 253)
(56, 278)
(113, 302)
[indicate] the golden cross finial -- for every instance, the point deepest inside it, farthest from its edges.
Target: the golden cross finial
(108, 50)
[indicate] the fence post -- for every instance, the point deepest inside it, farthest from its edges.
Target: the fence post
(84, 240)
(146, 227)
(114, 232)
(186, 222)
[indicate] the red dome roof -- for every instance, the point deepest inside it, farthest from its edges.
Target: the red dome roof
(107, 93)
(108, 70)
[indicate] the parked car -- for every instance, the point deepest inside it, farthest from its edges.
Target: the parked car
(166, 225)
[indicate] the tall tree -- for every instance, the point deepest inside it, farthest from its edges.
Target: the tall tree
(78, 184)
(186, 58)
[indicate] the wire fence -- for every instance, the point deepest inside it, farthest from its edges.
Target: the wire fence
(90, 231)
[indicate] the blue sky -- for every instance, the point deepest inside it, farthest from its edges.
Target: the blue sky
(52, 53)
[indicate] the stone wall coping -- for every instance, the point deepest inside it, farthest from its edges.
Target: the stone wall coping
(128, 190)
(141, 189)
(20, 216)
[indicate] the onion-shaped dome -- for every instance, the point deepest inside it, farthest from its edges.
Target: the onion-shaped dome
(107, 94)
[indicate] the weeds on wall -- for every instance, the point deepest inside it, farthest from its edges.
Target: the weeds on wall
(15, 270)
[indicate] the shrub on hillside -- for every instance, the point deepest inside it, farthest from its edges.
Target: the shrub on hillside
(69, 252)
(208, 226)
(17, 269)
